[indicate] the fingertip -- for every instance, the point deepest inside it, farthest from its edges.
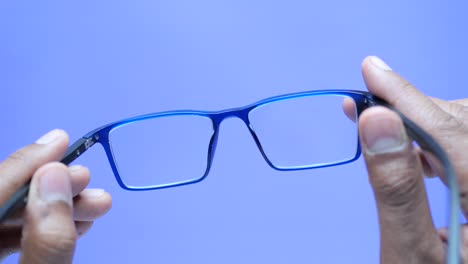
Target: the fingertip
(378, 63)
(80, 172)
(104, 198)
(92, 204)
(367, 65)
(349, 108)
(378, 76)
(365, 62)
(107, 201)
(80, 178)
(55, 135)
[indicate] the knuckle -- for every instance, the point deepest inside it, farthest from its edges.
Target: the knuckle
(456, 110)
(18, 156)
(450, 123)
(22, 158)
(398, 184)
(406, 87)
(397, 190)
(462, 112)
(58, 241)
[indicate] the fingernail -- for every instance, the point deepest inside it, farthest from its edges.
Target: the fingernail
(93, 193)
(75, 168)
(380, 63)
(49, 137)
(383, 135)
(55, 186)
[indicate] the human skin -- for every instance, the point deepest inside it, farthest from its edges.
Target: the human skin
(59, 210)
(396, 168)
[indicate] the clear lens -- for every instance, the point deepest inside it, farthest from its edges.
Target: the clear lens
(299, 132)
(163, 150)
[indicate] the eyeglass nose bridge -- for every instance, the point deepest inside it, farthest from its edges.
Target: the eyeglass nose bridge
(243, 114)
(217, 118)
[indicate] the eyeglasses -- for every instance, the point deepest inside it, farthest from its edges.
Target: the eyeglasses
(293, 132)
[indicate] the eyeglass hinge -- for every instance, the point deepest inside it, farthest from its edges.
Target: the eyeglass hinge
(89, 142)
(372, 100)
(78, 148)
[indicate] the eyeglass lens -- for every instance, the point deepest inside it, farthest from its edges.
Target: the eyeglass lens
(164, 150)
(299, 132)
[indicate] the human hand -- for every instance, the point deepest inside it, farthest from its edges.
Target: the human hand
(59, 208)
(396, 168)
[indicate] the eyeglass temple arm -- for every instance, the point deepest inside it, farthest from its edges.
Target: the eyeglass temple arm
(19, 198)
(427, 143)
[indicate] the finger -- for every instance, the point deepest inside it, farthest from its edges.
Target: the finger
(395, 174)
(385, 83)
(91, 204)
(49, 233)
(80, 177)
(431, 165)
(445, 105)
(349, 108)
(443, 234)
(19, 167)
(83, 227)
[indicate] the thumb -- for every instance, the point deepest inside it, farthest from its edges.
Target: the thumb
(395, 173)
(49, 235)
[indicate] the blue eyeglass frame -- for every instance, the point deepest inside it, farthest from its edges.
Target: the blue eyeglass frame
(362, 99)
(101, 134)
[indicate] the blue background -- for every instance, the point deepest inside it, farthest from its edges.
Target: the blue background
(77, 65)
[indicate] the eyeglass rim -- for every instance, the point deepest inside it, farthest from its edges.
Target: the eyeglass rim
(101, 134)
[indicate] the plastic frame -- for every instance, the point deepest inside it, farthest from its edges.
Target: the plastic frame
(101, 134)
